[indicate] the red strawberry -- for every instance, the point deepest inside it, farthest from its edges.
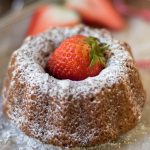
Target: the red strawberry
(48, 16)
(98, 12)
(77, 58)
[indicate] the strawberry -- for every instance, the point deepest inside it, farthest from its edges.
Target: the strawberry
(98, 12)
(48, 16)
(77, 58)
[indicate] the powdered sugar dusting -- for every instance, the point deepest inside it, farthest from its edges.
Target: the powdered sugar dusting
(43, 104)
(12, 138)
(33, 55)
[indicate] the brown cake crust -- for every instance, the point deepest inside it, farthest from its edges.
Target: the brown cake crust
(72, 113)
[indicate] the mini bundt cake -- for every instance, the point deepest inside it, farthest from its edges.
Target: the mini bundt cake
(72, 113)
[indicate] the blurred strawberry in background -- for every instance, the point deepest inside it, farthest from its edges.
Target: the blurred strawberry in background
(48, 16)
(98, 12)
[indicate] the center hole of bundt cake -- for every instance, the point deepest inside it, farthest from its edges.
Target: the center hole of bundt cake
(77, 58)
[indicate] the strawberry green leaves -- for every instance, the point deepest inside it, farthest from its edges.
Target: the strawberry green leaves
(97, 51)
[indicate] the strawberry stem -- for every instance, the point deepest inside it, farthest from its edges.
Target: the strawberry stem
(97, 51)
